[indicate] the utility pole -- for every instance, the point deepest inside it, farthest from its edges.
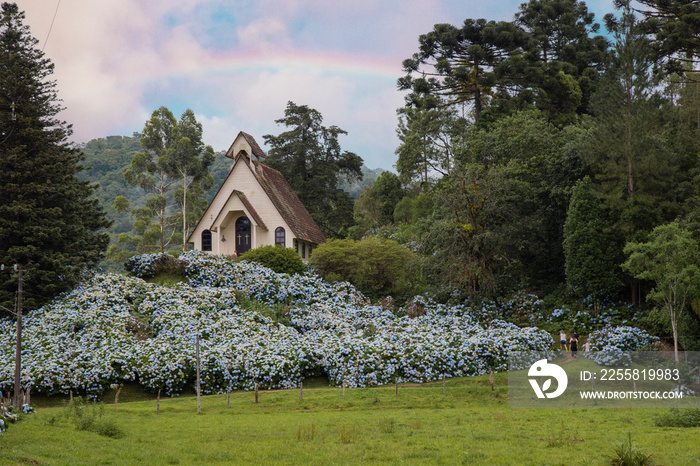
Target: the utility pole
(17, 399)
(18, 351)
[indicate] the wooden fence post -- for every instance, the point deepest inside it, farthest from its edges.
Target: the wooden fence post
(228, 398)
(301, 391)
(116, 398)
(158, 403)
(256, 393)
(199, 401)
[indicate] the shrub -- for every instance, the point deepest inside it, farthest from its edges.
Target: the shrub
(277, 258)
(679, 418)
(150, 265)
(376, 266)
(91, 420)
(626, 455)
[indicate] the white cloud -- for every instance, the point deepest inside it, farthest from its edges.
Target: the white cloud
(118, 60)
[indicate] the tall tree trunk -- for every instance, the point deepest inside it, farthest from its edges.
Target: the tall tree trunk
(630, 176)
(184, 209)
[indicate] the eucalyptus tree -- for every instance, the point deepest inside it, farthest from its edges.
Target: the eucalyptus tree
(173, 153)
(670, 259)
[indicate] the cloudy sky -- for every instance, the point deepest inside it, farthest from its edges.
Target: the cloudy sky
(237, 63)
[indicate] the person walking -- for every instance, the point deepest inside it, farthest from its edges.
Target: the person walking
(562, 341)
(573, 343)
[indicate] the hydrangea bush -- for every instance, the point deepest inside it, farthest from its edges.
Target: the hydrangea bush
(114, 329)
(610, 345)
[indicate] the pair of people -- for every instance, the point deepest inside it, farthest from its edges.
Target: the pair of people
(572, 342)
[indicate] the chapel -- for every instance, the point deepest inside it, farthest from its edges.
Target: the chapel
(255, 206)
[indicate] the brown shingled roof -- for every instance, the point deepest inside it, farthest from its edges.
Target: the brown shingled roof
(288, 204)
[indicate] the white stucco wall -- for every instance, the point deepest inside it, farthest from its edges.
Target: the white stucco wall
(241, 179)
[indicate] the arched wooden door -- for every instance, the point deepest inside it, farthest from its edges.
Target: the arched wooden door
(244, 238)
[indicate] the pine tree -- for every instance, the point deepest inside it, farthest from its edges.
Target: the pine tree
(309, 156)
(49, 219)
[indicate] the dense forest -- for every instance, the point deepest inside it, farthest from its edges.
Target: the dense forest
(536, 154)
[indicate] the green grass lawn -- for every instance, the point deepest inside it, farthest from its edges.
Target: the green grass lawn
(469, 424)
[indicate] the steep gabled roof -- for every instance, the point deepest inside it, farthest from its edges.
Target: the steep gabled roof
(288, 204)
(254, 147)
(249, 207)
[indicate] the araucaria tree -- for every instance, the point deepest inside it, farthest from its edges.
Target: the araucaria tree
(49, 219)
(309, 156)
(174, 166)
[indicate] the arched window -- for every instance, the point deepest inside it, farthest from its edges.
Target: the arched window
(206, 240)
(280, 236)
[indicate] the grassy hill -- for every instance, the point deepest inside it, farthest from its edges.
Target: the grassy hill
(466, 424)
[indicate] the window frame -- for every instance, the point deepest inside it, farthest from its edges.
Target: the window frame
(280, 231)
(207, 243)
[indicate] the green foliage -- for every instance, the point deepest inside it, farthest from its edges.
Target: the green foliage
(174, 167)
(592, 254)
(565, 56)
(548, 57)
(309, 156)
(277, 258)
(461, 65)
(430, 139)
(376, 266)
(375, 207)
(679, 418)
(90, 417)
(481, 227)
(278, 312)
(670, 259)
(50, 222)
(675, 25)
(626, 455)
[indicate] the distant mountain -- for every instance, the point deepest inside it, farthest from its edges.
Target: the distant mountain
(355, 188)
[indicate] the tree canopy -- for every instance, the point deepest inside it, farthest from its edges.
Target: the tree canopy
(50, 221)
(173, 167)
(309, 156)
